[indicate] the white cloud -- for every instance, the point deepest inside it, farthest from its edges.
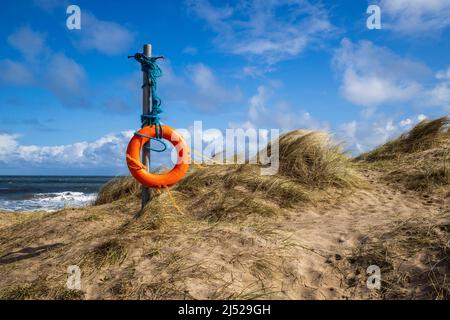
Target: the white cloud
(107, 37)
(412, 16)
(373, 75)
(372, 90)
(190, 50)
(50, 5)
(439, 96)
(193, 86)
(107, 151)
(365, 134)
(443, 74)
(256, 28)
(207, 88)
(406, 122)
(66, 79)
(265, 111)
(197, 87)
(421, 117)
(8, 143)
(29, 42)
(53, 71)
(257, 110)
(14, 73)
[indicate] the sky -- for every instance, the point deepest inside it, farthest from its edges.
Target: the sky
(70, 100)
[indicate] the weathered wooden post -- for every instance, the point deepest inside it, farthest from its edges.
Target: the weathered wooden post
(146, 109)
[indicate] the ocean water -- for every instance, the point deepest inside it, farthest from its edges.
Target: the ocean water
(48, 193)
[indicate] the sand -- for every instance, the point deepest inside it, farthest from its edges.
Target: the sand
(297, 255)
(231, 235)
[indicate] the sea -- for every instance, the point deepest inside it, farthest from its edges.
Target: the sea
(48, 193)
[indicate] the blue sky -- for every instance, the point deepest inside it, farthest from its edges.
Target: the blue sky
(69, 99)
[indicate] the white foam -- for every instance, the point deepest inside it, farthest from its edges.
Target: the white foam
(49, 201)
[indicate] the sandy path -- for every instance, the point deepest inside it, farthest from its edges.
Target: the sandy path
(294, 255)
(328, 234)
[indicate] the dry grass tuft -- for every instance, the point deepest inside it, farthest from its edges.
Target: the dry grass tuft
(314, 160)
(117, 189)
(309, 163)
(413, 257)
(418, 159)
(232, 205)
(280, 189)
(425, 135)
(39, 290)
(108, 253)
(9, 218)
(161, 212)
(228, 232)
(425, 178)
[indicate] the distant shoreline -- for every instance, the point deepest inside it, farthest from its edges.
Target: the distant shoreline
(48, 193)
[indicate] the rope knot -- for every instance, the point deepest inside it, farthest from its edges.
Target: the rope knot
(153, 72)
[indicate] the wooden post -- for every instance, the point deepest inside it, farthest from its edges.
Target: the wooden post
(146, 109)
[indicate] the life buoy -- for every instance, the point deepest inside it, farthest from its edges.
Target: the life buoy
(139, 171)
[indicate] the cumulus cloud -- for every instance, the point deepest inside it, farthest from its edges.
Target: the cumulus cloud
(107, 37)
(44, 68)
(410, 17)
(14, 72)
(8, 143)
(198, 87)
(28, 42)
(256, 28)
(443, 74)
(366, 134)
(195, 86)
(439, 96)
(209, 95)
(266, 111)
(373, 75)
(66, 79)
(107, 151)
(50, 5)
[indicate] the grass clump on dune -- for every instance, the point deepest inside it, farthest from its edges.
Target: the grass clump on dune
(418, 159)
(309, 163)
(107, 253)
(159, 213)
(426, 178)
(247, 178)
(425, 135)
(314, 160)
(413, 257)
(40, 289)
(232, 205)
(118, 188)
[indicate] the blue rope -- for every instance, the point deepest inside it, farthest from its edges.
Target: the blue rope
(159, 140)
(153, 72)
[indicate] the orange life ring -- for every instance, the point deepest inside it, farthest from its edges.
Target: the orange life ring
(139, 171)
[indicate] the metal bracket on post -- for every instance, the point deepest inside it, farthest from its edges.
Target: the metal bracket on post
(146, 109)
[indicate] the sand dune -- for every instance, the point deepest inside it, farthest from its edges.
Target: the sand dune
(226, 232)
